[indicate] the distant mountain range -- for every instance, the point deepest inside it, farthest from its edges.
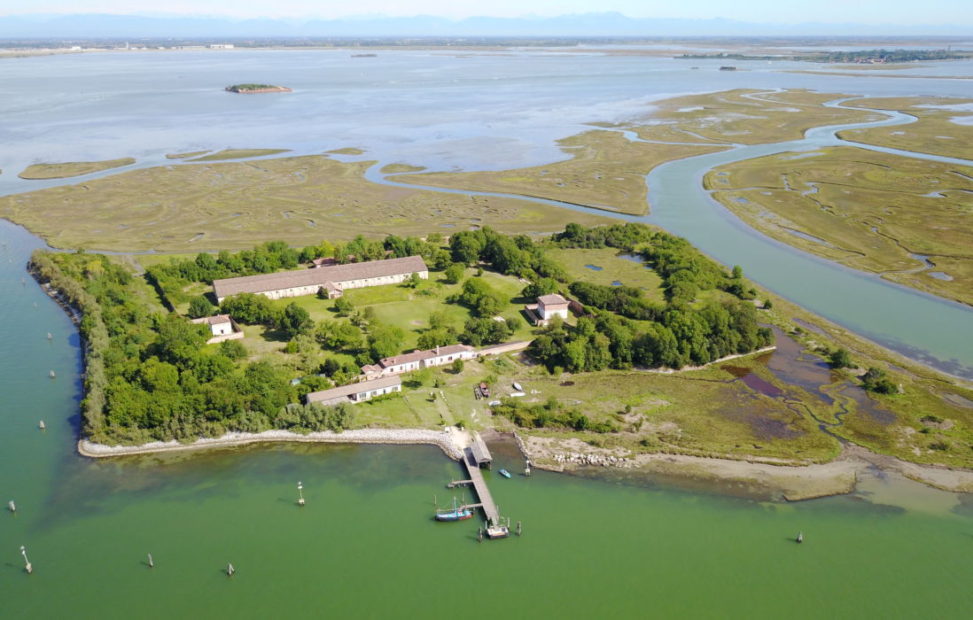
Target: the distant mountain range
(92, 26)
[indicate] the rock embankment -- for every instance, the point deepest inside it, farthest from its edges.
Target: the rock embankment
(597, 460)
(364, 436)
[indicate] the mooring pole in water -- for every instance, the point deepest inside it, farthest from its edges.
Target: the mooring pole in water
(479, 534)
(520, 528)
(52, 374)
(300, 494)
(42, 425)
(229, 570)
(27, 565)
(50, 336)
(11, 506)
(151, 561)
(800, 537)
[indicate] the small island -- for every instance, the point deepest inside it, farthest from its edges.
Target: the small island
(252, 89)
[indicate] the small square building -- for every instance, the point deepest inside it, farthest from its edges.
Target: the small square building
(546, 308)
(221, 327)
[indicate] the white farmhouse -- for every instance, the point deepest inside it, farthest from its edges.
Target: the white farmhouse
(221, 328)
(356, 392)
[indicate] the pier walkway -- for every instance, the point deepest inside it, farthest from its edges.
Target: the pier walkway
(482, 490)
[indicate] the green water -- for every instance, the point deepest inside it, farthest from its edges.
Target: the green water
(365, 546)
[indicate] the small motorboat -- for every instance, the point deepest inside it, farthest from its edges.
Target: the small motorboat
(497, 531)
(504, 473)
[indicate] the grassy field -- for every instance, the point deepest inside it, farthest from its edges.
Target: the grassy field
(934, 131)
(871, 211)
(613, 269)
(233, 205)
(409, 309)
(238, 154)
(606, 171)
(71, 169)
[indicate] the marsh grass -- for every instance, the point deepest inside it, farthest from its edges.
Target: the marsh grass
(934, 132)
(215, 206)
(869, 210)
(72, 169)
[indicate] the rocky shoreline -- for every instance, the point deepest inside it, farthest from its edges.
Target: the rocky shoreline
(442, 439)
(788, 480)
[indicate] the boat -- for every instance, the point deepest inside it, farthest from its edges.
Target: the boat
(458, 513)
(497, 531)
(504, 473)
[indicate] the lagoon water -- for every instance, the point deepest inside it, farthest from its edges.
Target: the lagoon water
(365, 546)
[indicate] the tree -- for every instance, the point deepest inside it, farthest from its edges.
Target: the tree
(543, 286)
(877, 380)
(339, 335)
(343, 306)
(432, 338)
(412, 281)
(840, 358)
(385, 341)
(457, 366)
(199, 306)
(294, 320)
(233, 349)
(249, 308)
(454, 273)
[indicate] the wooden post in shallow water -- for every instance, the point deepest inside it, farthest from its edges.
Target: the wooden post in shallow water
(520, 528)
(300, 494)
(229, 570)
(53, 375)
(27, 565)
(151, 561)
(800, 537)
(42, 426)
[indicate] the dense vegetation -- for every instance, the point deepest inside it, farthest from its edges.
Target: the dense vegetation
(150, 377)
(622, 328)
(549, 414)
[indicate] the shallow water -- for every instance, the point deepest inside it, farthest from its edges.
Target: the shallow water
(365, 546)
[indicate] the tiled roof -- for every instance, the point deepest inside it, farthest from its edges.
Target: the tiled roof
(219, 319)
(318, 277)
(417, 355)
(552, 300)
(354, 388)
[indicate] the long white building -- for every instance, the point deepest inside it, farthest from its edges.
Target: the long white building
(333, 279)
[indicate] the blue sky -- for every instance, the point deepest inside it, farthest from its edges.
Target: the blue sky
(779, 11)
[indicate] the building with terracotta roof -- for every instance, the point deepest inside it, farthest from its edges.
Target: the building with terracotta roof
(333, 279)
(356, 392)
(416, 360)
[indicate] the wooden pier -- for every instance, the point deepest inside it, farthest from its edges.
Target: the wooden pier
(474, 457)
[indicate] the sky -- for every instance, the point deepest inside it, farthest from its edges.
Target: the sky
(904, 12)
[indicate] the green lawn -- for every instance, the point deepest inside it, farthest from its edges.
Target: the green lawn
(409, 309)
(613, 269)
